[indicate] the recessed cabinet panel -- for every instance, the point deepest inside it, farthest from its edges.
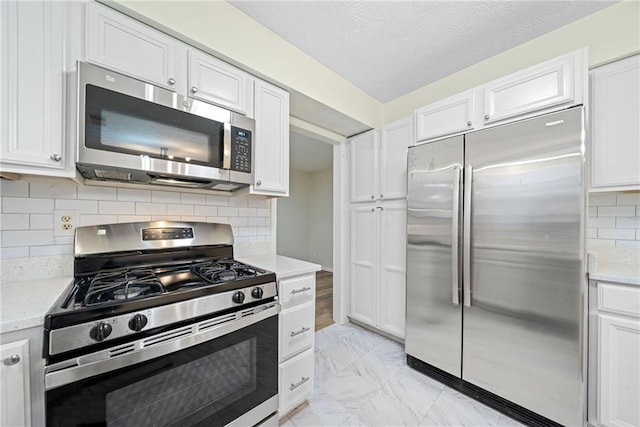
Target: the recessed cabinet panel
(395, 139)
(538, 87)
(446, 117)
(296, 381)
(213, 80)
(296, 330)
(364, 167)
(615, 133)
(364, 261)
(123, 44)
(15, 399)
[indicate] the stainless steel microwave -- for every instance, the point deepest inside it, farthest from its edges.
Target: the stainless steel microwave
(132, 131)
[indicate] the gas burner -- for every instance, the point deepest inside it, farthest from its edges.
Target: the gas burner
(120, 285)
(222, 270)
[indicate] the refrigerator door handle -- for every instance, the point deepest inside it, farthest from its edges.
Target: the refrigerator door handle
(455, 236)
(466, 247)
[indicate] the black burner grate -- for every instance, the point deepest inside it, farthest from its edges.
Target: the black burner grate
(121, 285)
(222, 270)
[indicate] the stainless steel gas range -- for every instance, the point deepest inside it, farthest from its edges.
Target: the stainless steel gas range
(162, 327)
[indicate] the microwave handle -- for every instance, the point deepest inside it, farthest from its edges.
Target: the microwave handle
(226, 151)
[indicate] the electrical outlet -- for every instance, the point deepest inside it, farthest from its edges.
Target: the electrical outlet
(64, 222)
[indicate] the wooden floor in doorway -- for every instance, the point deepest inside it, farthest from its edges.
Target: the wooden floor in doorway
(324, 299)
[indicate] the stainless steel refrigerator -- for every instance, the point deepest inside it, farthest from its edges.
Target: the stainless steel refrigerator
(496, 279)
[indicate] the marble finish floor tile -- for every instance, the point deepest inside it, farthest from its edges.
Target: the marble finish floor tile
(362, 379)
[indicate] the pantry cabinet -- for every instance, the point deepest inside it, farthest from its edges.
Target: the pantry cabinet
(32, 89)
(377, 265)
(15, 399)
(379, 162)
(618, 354)
(615, 133)
(446, 117)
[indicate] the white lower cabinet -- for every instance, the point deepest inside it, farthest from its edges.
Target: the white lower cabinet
(618, 355)
(297, 337)
(15, 398)
(378, 268)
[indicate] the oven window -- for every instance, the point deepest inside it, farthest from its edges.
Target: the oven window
(125, 124)
(209, 384)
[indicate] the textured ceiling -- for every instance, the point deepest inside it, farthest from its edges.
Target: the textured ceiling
(390, 48)
(309, 155)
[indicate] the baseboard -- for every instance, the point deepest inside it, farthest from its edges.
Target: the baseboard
(376, 330)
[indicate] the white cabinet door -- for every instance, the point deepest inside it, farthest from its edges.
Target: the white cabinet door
(296, 379)
(365, 167)
(535, 88)
(619, 371)
(364, 263)
(447, 117)
(615, 132)
(395, 139)
(15, 398)
(32, 87)
(392, 286)
(215, 81)
(271, 140)
(123, 44)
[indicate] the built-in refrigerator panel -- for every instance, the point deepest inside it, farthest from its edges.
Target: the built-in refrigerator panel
(434, 314)
(523, 265)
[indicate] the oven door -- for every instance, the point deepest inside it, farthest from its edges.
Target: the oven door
(205, 374)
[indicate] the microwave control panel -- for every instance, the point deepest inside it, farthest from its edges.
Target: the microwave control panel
(240, 150)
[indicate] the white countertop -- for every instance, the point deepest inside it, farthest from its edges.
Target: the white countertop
(23, 304)
(281, 265)
(619, 265)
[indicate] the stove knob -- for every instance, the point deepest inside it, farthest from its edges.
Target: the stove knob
(238, 297)
(100, 331)
(137, 322)
(257, 293)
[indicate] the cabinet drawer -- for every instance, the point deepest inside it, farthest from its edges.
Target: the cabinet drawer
(297, 289)
(296, 381)
(619, 299)
(296, 330)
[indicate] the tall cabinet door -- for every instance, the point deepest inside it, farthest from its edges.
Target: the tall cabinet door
(364, 263)
(434, 314)
(392, 286)
(364, 167)
(395, 139)
(524, 278)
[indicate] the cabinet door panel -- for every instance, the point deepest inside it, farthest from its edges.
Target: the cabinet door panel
(364, 248)
(296, 379)
(296, 330)
(271, 141)
(619, 370)
(447, 117)
(213, 80)
(392, 287)
(15, 407)
(364, 167)
(394, 141)
(615, 136)
(123, 44)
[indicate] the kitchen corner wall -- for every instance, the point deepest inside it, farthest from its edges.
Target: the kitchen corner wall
(614, 219)
(27, 218)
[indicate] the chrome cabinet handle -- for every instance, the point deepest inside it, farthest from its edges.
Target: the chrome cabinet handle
(469, 123)
(372, 197)
(12, 360)
(380, 207)
(55, 157)
(301, 331)
(259, 183)
(297, 291)
(171, 81)
(381, 196)
(194, 89)
(373, 209)
(486, 116)
(455, 214)
(466, 249)
(299, 383)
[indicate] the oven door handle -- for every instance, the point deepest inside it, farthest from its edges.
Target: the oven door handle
(148, 348)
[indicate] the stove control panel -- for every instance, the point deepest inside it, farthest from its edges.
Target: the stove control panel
(167, 233)
(101, 331)
(137, 322)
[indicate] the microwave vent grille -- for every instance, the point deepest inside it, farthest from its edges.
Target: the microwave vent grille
(113, 174)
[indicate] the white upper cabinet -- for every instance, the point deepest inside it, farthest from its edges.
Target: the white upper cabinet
(271, 141)
(447, 117)
(32, 87)
(215, 81)
(123, 44)
(365, 166)
(615, 132)
(395, 139)
(379, 162)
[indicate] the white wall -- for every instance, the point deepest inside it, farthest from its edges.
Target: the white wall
(305, 218)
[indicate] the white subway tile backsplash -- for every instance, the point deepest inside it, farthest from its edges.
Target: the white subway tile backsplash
(194, 218)
(165, 217)
(63, 240)
(218, 219)
(51, 250)
(247, 211)
(226, 211)
(628, 222)
(264, 212)
(614, 218)
(238, 202)
(605, 222)
(237, 221)
(131, 195)
(134, 218)
(203, 210)
(193, 199)
(593, 211)
(263, 231)
(27, 238)
(616, 211)
(91, 192)
(257, 221)
(82, 206)
(53, 190)
(41, 221)
(217, 200)
(151, 209)
(14, 188)
(602, 199)
(17, 252)
(601, 242)
(165, 197)
(26, 205)
(625, 199)
(638, 234)
(97, 219)
(117, 208)
(247, 231)
(182, 210)
(628, 244)
(14, 222)
(255, 202)
(616, 233)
